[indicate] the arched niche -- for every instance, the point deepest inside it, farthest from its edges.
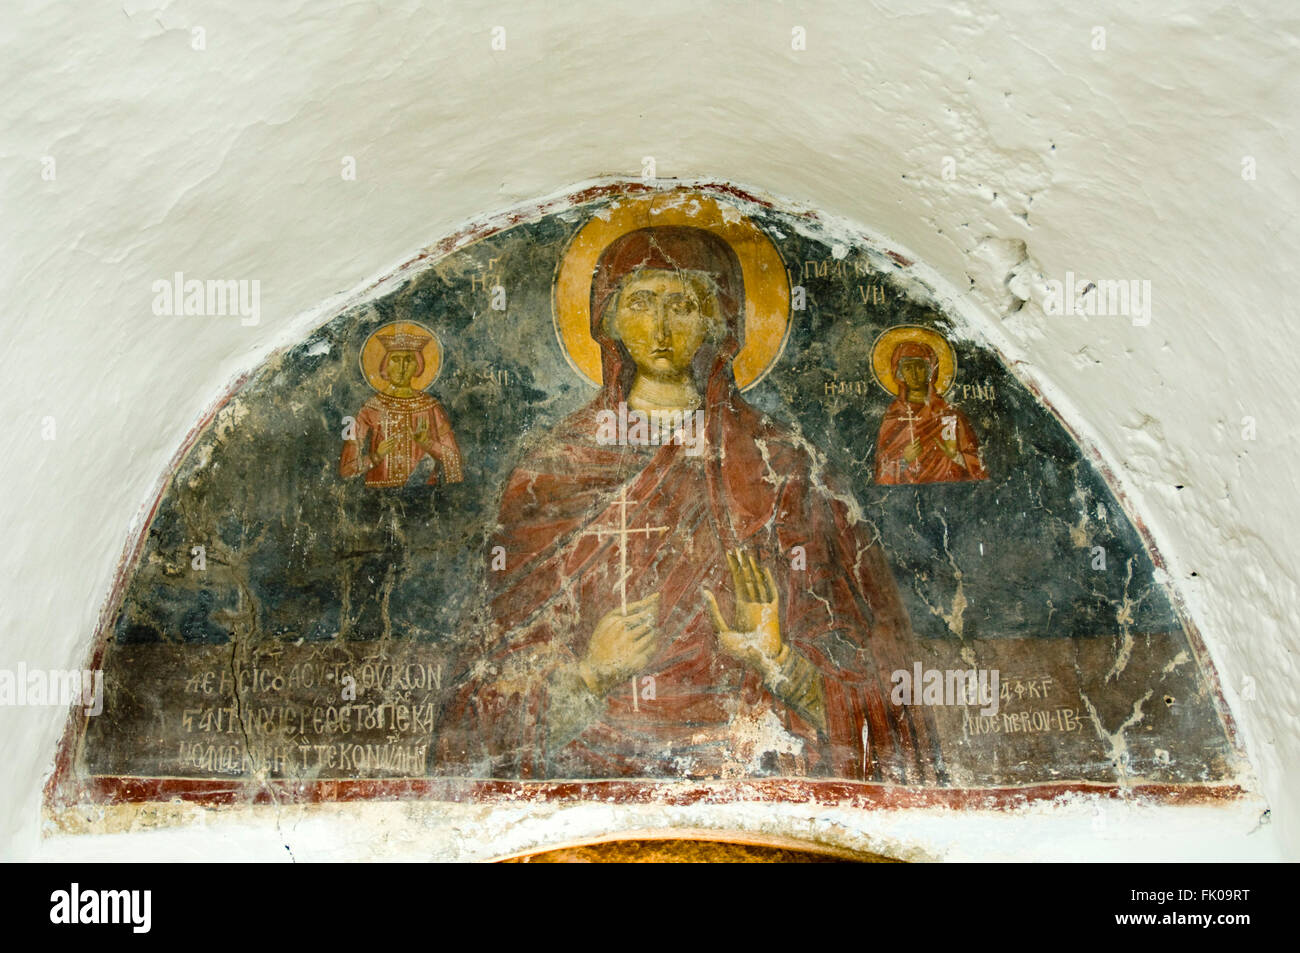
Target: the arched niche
(377, 570)
(698, 849)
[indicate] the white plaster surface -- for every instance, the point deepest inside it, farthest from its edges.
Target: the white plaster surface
(225, 163)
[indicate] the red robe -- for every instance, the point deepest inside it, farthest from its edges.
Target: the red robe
(710, 715)
(383, 417)
(905, 422)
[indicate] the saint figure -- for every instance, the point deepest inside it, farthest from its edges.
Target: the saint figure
(662, 613)
(923, 438)
(400, 426)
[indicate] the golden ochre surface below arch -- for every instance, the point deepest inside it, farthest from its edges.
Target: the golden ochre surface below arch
(684, 850)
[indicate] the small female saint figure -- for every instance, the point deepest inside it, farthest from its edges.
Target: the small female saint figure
(401, 432)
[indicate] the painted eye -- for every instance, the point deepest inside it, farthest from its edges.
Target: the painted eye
(639, 302)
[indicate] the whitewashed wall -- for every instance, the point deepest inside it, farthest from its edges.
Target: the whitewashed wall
(1125, 162)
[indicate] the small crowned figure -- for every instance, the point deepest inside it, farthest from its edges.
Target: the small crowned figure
(400, 426)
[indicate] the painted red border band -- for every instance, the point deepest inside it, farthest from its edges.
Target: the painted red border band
(853, 794)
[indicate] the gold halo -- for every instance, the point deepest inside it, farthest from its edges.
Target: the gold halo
(882, 353)
(372, 354)
(767, 287)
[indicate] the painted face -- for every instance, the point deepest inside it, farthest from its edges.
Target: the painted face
(400, 368)
(915, 372)
(662, 320)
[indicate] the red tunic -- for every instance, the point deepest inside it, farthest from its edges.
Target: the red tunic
(711, 715)
(383, 417)
(927, 422)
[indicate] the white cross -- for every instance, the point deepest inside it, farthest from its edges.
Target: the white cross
(911, 431)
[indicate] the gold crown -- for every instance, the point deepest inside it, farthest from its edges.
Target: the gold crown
(403, 341)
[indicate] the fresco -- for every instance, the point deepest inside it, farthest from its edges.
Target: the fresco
(650, 485)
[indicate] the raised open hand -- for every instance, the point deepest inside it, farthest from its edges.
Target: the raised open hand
(755, 638)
